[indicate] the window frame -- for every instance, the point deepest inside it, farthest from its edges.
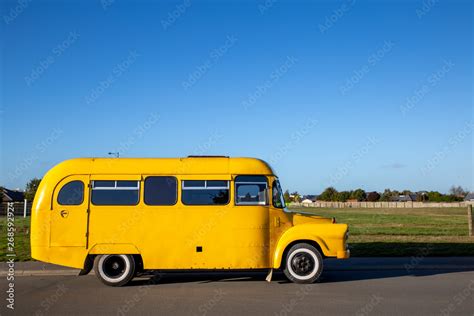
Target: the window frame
(159, 176)
(266, 202)
(83, 193)
(115, 188)
(205, 187)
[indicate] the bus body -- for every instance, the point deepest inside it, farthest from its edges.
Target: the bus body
(174, 213)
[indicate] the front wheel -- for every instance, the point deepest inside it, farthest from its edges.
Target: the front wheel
(114, 270)
(303, 264)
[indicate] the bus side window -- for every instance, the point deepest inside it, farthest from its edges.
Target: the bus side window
(205, 192)
(251, 190)
(161, 190)
(71, 193)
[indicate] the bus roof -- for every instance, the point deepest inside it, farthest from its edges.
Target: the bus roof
(166, 166)
(146, 166)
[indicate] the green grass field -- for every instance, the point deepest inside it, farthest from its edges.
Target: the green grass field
(373, 232)
(22, 239)
(404, 232)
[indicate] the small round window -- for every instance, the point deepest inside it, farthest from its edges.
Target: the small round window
(72, 193)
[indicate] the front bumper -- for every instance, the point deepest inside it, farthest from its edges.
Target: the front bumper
(343, 254)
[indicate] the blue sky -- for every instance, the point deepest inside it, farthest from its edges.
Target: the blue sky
(371, 94)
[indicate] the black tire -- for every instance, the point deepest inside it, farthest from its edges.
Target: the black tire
(115, 270)
(303, 264)
(138, 266)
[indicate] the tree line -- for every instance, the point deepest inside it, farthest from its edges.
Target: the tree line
(330, 194)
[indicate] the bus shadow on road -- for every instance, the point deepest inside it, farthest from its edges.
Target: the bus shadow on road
(198, 277)
(328, 276)
(413, 249)
(353, 269)
(363, 275)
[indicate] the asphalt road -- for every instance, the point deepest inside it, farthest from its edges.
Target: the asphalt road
(419, 290)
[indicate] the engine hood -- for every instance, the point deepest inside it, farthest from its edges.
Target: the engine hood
(304, 218)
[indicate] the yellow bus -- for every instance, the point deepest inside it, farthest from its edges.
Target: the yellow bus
(124, 216)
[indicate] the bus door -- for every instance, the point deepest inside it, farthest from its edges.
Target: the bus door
(251, 220)
(69, 214)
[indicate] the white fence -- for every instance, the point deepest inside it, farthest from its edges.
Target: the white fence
(380, 204)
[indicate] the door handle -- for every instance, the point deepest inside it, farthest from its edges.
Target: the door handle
(64, 213)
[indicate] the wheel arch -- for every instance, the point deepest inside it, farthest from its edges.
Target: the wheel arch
(111, 249)
(294, 236)
(102, 249)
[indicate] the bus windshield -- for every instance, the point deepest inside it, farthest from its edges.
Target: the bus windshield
(278, 200)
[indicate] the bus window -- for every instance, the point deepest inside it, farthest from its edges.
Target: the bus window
(250, 190)
(278, 200)
(71, 193)
(111, 192)
(161, 191)
(205, 192)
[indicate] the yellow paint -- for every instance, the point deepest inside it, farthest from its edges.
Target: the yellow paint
(231, 236)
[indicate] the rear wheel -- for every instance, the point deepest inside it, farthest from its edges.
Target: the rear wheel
(114, 270)
(303, 264)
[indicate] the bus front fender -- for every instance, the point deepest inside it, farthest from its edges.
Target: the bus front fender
(329, 238)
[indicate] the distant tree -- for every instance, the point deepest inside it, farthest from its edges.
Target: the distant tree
(406, 192)
(458, 191)
(434, 196)
(296, 196)
(386, 195)
(373, 196)
(329, 194)
(31, 188)
(452, 198)
(359, 195)
(287, 197)
(343, 196)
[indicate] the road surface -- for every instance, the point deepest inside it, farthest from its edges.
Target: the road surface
(388, 287)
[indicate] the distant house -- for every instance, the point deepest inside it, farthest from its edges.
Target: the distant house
(469, 197)
(306, 201)
(404, 198)
(312, 198)
(12, 196)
